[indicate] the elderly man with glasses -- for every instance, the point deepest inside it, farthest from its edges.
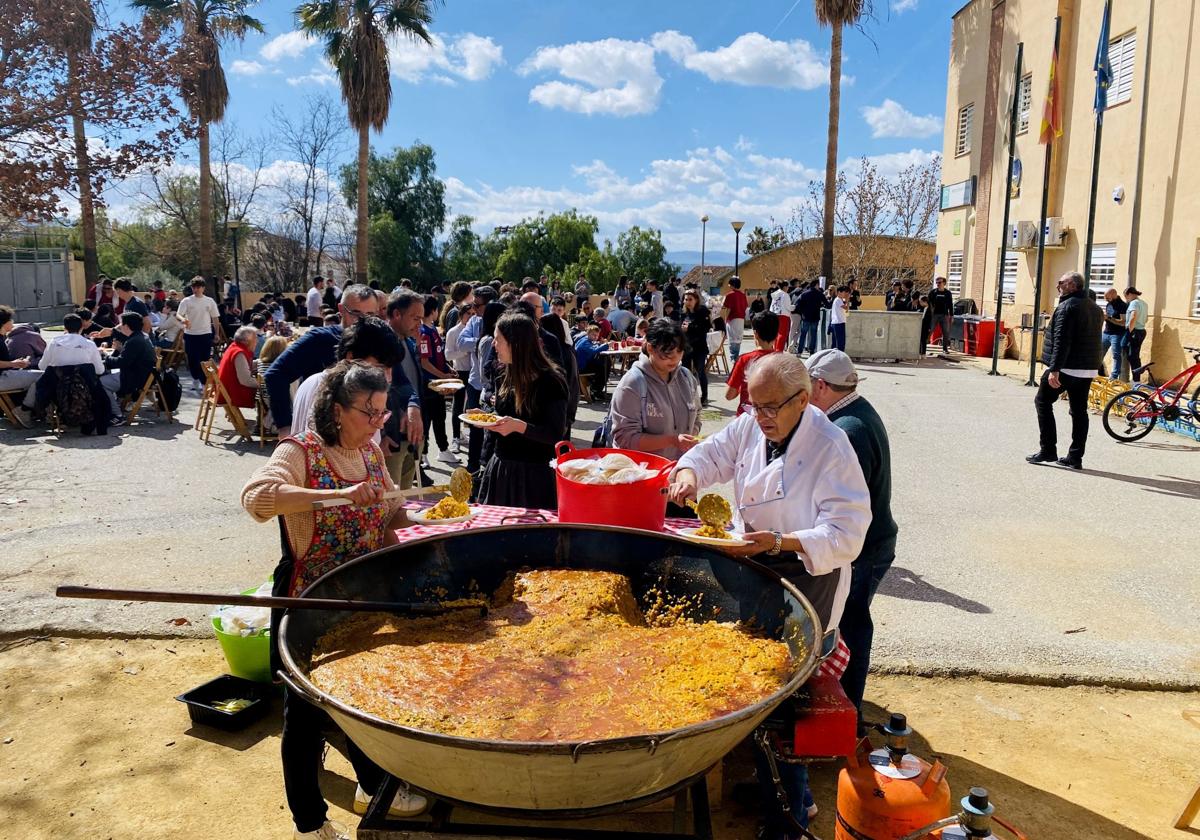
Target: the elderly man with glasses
(800, 499)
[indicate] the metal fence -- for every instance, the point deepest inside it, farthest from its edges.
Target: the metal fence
(35, 276)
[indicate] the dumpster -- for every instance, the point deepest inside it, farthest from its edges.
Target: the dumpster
(979, 334)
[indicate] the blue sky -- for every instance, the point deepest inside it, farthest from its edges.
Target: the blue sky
(648, 112)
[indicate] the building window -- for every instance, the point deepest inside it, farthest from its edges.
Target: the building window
(1103, 270)
(1120, 59)
(1024, 103)
(965, 117)
(1196, 296)
(1010, 276)
(954, 272)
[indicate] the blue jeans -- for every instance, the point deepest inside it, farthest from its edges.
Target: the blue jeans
(1114, 343)
(808, 337)
(837, 333)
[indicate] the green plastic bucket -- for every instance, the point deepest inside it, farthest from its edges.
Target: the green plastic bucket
(249, 657)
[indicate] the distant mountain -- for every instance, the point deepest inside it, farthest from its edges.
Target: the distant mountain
(686, 259)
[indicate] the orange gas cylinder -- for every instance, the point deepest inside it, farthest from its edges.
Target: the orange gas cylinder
(889, 793)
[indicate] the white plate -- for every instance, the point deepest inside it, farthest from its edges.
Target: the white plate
(419, 516)
(690, 534)
(475, 423)
(448, 386)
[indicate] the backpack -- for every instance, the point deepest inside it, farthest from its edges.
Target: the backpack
(172, 389)
(603, 436)
(73, 399)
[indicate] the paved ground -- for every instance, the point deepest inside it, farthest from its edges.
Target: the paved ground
(1003, 569)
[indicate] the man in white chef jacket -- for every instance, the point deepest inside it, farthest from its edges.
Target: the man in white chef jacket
(799, 492)
(801, 500)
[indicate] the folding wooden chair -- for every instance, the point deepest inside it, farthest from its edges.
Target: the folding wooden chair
(717, 362)
(585, 387)
(175, 355)
(9, 408)
(208, 397)
(153, 389)
(215, 394)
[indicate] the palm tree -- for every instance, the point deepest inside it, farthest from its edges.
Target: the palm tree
(355, 33)
(835, 14)
(78, 25)
(203, 25)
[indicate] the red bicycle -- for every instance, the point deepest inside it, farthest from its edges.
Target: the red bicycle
(1130, 415)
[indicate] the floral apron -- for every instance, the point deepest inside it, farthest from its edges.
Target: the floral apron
(340, 534)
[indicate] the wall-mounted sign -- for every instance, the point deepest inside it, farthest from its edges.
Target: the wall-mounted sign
(961, 194)
(958, 227)
(1015, 192)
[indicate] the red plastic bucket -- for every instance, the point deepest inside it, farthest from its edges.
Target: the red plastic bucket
(642, 504)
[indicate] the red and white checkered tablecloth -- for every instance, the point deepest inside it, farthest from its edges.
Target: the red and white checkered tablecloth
(491, 516)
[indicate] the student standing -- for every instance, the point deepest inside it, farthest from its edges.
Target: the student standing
(199, 316)
(837, 318)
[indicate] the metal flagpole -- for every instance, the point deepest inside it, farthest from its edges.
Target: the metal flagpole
(1012, 153)
(1103, 74)
(1041, 253)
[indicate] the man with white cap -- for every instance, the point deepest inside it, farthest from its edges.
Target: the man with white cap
(835, 391)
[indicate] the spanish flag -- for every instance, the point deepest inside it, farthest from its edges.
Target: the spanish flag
(1052, 113)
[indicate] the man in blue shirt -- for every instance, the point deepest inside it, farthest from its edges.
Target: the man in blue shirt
(588, 350)
(404, 431)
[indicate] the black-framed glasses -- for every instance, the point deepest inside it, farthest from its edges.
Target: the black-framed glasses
(770, 412)
(376, 417)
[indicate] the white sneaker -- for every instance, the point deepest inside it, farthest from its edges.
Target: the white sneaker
(406, 804)
(329, 831)
(447, 457)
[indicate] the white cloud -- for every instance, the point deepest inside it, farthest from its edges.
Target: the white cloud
(902, 6)
(468, 56)
(247, 68)
(606, 77)
(752, 59)
(889, 165)
(288, 45)
(890, 119)
(743, 144)
(321, 76)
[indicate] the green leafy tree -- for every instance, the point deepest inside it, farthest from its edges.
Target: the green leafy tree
(405, 185)
(463, 256)
(356, 33)
(642, 255)
(203, 24)
(545, 242)
(391, 254)
(602, 268)
(762, 240)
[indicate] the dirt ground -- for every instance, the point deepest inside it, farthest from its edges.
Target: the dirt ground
(93, 745)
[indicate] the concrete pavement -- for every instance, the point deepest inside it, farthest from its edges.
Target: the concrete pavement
(1003, 569)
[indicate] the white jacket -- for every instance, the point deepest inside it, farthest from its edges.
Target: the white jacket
(816, 492)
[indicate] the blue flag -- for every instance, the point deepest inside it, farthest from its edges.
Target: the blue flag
(1102, 67)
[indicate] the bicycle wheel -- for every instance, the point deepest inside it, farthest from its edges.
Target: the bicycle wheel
(1130, 415)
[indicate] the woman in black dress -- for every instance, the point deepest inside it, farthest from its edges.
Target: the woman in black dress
(696, 325)
(531, 401)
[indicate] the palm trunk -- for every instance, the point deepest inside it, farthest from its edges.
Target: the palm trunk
(360, 245)
(83, 177)
(831, 150)
(206, 211)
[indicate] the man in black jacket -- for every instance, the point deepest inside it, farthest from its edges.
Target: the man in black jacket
(130, 368)
(808, 307)
(941, 311)
(1071, 353)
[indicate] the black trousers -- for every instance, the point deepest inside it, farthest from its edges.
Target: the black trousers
(459, 403)
(302, 746)
(1133, 349)
(433, 413)
(1077, 388)
(198, 348)
(857, 627)
(697, 360)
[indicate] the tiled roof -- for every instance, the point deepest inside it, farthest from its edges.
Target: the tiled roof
(710, 275)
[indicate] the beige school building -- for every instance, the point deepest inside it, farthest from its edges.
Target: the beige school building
(1147, 228)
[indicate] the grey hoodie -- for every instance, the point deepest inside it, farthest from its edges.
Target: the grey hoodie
(668, 407)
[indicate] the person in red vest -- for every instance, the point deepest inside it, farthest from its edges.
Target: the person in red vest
(236, 370)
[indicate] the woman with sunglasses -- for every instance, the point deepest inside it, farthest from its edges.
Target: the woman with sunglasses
(531, 402)
(333, 458)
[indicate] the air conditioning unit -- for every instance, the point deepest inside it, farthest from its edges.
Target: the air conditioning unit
(1022, 236)
(1055, 232)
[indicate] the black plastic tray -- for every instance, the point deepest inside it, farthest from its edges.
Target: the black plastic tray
(225, 687)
